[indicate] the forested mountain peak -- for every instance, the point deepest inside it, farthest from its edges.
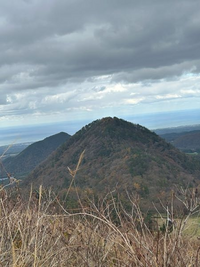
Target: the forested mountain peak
(118, 154)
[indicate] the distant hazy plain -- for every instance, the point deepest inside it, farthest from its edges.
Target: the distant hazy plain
(34, 133)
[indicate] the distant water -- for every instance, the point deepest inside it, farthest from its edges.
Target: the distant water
(34, 133)
(22, 134)
(167, 119)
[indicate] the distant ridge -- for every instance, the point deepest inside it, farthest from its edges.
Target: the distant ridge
(179, 129)
(186, 141)
(118, 155)
(34, 154)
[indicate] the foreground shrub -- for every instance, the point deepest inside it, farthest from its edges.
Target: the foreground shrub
(43, 232)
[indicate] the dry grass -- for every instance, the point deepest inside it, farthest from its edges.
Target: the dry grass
(42, 232)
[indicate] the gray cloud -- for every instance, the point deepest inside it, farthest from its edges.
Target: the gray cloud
(94, 36)
(52, 48)
(163, 72)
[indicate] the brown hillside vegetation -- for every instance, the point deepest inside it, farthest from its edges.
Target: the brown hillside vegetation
(118, 156)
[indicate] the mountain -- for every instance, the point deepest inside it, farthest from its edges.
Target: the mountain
(13, 150)
(118, 155)
(34, 154)
(186, 141)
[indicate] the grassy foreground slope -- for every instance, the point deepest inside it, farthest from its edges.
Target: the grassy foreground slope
(43, 232)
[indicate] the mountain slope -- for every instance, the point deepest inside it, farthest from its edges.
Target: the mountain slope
(34, 154)
(13, 149)
(186, 141)
(118, 154)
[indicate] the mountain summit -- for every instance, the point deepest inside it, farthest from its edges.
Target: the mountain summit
(118, 154)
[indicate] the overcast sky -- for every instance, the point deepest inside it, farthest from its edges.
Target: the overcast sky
(73, 60)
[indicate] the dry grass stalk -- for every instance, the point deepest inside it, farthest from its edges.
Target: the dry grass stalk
(108, 235)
